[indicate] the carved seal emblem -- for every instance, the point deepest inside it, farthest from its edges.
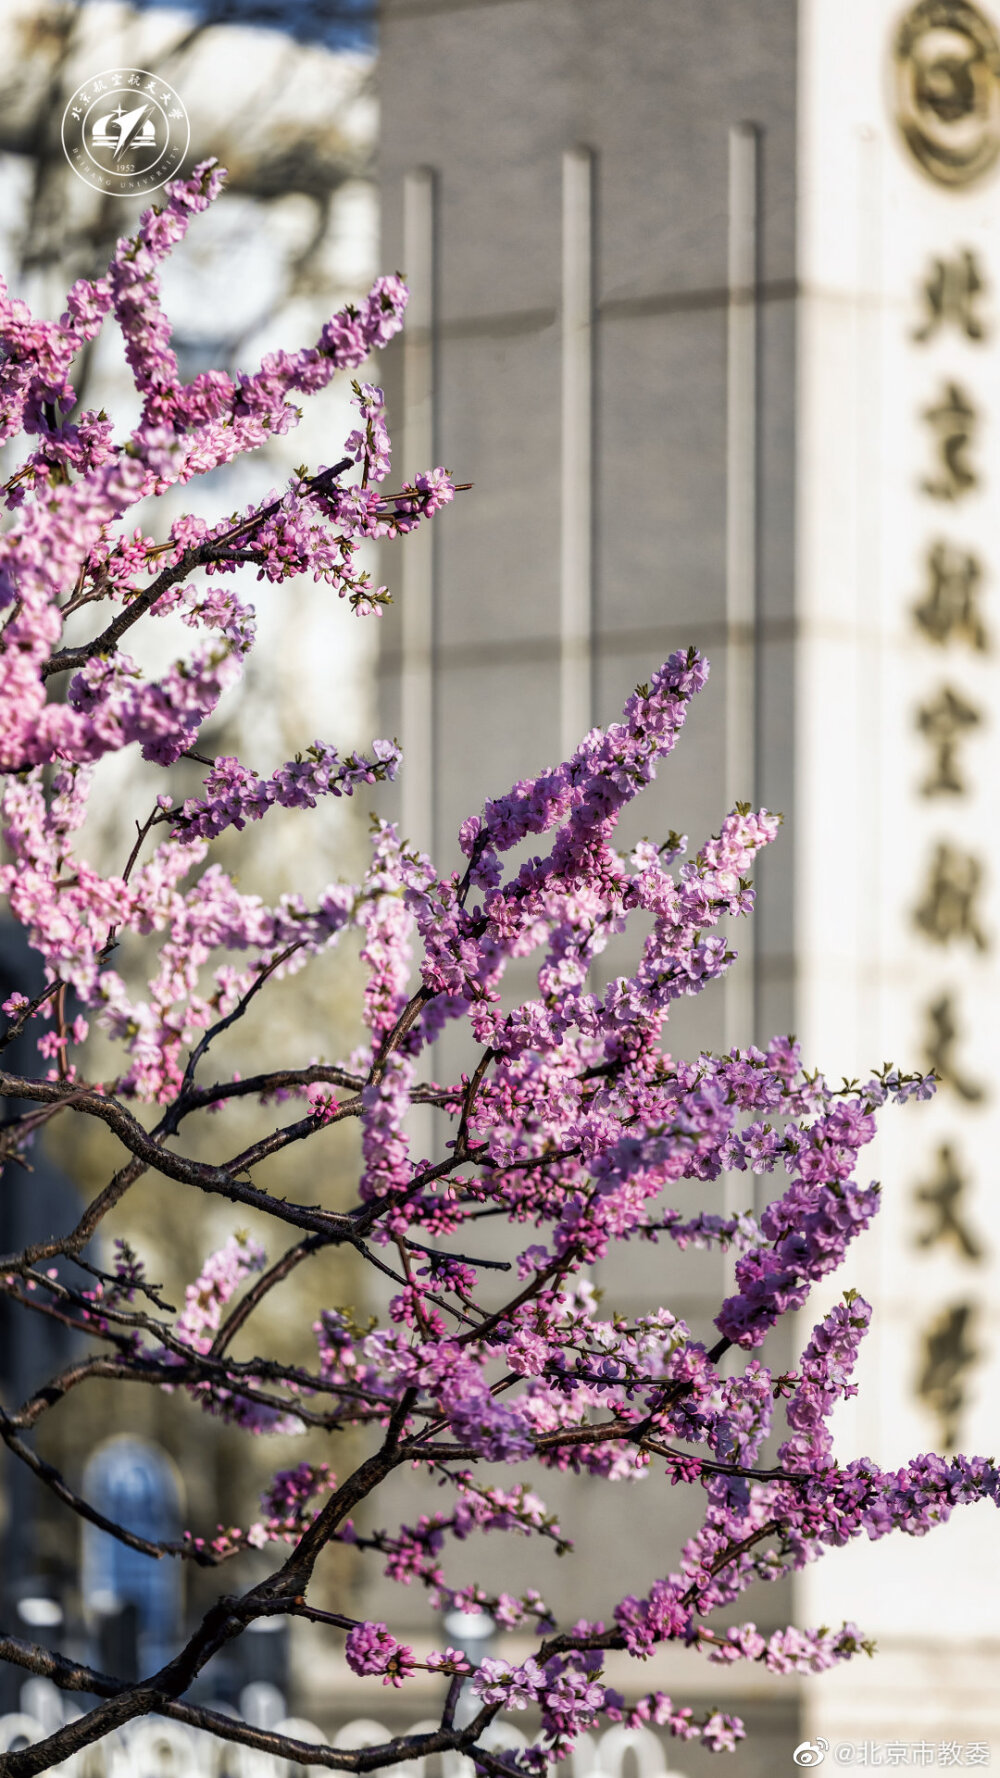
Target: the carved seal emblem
(946, 89)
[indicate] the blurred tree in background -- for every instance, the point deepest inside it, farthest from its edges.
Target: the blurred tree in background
(285, 95)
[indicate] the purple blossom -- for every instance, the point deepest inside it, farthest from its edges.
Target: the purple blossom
(370, 1649)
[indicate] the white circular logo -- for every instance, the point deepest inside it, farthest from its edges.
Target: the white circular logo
(811, 1753)
(125, 131)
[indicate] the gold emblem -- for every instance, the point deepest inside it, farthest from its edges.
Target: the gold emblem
(946, 73)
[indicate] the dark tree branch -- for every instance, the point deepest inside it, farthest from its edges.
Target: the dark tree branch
(73, 1676)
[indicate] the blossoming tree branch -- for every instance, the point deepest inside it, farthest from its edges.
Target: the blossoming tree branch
(569, 1121)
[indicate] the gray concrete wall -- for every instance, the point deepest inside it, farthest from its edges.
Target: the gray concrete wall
(490, 94)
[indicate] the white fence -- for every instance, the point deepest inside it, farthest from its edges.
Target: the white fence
(158, 1748)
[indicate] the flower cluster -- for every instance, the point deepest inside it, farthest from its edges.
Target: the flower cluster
(288, 1506)
(369, 1648)
(235, 795)
(219, 1279)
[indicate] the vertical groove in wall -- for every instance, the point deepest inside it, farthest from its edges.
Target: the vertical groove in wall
(741, 531)
(868, 546)
(417, 575)
(417, 779)
(875, 1410)
(576, 552)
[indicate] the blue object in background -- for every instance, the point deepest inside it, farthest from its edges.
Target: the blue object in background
(131, 1600)
(336, 24)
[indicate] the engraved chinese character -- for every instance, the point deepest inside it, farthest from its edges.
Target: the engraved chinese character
(977, 1753)
(953, 421)
(943, 722)
(949, 1753)
(897, 1753)
(943, 1196)
(948, 908)
(949, 294)
(947, 1355)
(950, 606)
(939, 1049)
(923, 1753)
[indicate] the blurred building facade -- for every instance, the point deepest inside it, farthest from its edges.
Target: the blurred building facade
(705, 303)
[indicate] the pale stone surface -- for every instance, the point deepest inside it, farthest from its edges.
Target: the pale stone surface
(871, 226)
